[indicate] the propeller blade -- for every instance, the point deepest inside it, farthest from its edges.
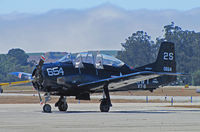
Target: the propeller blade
(38, 68)
(41, 62)
(37, 74)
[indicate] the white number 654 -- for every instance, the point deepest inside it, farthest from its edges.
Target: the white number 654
(55, 71)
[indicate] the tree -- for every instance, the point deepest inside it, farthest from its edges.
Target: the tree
(19, 55)
(187, 44)
(15, 60)
(138, 49)
(196, 78)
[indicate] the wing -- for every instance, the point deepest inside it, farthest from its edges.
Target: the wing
(12, 83)
(15, 83)
(21, 75)
(123, 80)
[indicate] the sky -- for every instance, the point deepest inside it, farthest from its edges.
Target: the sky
(42, 6)
(40, 28)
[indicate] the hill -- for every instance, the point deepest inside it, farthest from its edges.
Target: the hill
(101, 27)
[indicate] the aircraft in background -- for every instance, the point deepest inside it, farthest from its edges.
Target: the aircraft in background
(89, 73)
(12, 83)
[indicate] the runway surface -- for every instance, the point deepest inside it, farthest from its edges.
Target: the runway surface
(161, 98)
(123, 117)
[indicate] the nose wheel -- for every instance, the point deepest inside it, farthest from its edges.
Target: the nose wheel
(47, 108)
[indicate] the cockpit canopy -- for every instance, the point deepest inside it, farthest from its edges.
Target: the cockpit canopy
(91, 58)
(66, 58)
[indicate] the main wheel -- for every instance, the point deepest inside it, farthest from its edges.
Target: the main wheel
(62, 106)
(104, 106)
(47, 108)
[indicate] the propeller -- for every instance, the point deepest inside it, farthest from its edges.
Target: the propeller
(37, 74)
(38, 78)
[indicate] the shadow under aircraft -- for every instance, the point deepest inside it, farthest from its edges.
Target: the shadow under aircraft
(89, 73)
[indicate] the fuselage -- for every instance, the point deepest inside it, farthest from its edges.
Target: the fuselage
(51, 72)
(65, 76)
(72, 76)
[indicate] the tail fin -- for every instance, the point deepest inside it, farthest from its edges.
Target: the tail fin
(165, 61)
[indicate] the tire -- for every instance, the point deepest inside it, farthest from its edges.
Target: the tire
(104, 106)
(63, 107)
(47, 108)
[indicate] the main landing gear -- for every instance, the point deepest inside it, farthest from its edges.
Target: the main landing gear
(105, 102)
(62, 104)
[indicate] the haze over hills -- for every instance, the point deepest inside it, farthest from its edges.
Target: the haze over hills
(102, 27)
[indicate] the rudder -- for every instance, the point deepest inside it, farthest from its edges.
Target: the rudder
(165, 61)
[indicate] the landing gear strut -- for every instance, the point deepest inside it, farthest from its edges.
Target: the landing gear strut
(47, 107)
(105, 102)
(62, 104)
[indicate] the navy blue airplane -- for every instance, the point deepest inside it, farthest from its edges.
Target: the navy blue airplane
(89, 73)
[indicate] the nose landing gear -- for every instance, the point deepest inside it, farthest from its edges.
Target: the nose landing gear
(61, 104)
(46, 107)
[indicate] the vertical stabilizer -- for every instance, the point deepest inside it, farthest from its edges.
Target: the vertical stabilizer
(165, 61)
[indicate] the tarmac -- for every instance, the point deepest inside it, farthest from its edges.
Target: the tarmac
(161, 98)
(85, 117)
